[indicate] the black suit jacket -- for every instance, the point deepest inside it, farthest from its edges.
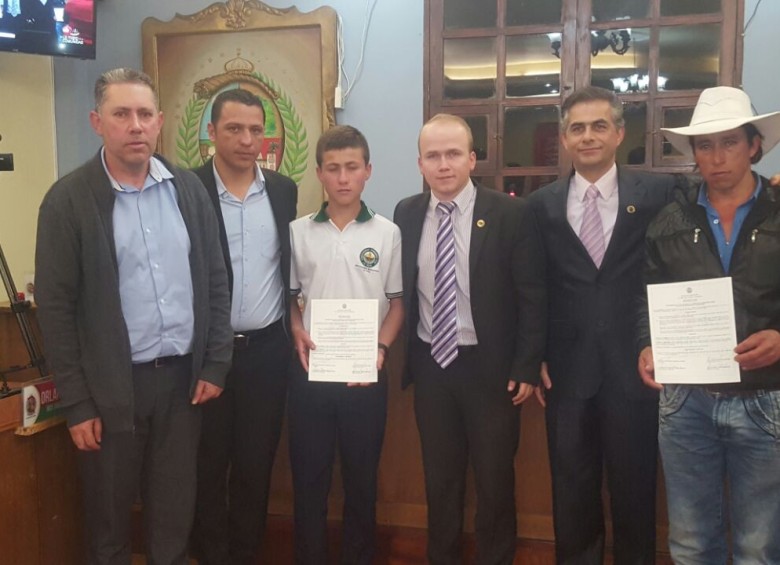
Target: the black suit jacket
(591, 312)
(507, 295)
(283, 195)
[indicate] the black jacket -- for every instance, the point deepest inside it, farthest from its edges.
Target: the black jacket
(507, 294)
(283, 195)
(680, 246)
(590, 338)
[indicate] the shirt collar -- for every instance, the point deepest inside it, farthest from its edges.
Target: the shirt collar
(704, 201)
(157, 173)
(258, 186)
(606, 185)
(364, 215)
(462, 200)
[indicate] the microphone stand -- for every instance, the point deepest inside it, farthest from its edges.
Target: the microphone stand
(20, 309)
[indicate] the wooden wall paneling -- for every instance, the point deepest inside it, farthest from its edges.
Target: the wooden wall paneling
(19, 536)
(61, 529)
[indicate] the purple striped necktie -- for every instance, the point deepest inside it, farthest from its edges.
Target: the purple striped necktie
(592, 231)
(444, 324)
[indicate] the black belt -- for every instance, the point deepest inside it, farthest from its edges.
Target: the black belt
(737, 392)
(163, 361)
(241, 340)
(462, 349)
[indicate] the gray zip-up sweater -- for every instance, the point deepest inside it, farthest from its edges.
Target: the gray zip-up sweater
(77, 291)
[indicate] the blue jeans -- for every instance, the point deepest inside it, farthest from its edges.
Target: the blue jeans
(708, 440)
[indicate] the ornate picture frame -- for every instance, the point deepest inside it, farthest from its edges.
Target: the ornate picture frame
(286, 57)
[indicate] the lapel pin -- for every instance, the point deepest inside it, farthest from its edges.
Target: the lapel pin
(480, 223)
(630, 208)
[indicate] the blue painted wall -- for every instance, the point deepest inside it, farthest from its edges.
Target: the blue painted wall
(761, 69)
(386, 104)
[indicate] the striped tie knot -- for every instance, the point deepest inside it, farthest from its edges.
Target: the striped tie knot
(445, 208)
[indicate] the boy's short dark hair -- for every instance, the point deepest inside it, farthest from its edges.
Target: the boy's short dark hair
(342, 137)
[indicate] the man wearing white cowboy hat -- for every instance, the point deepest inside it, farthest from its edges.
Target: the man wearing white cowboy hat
(708, 435)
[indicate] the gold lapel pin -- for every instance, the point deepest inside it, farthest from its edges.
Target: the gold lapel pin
(480, 223)
(630, 208)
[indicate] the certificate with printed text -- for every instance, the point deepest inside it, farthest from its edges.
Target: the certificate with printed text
(345, 334)
(693, 331)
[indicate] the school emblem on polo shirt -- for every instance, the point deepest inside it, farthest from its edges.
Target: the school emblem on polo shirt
(369, 257)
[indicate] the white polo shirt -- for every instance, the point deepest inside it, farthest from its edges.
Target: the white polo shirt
(361, 261)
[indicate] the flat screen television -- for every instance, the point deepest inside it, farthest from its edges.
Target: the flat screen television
(48, 27)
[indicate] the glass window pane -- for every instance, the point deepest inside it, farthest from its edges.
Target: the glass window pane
(531, 67)
(682, 7)
(689, 56)
(615, 10)
(460, 14)
(478, 125)
(525, 185)
(632, 150)
(527, 12)
(470, 68)
(674, 118)
(622, 59)
(531, 136)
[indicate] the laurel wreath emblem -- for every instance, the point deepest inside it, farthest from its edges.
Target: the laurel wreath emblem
(296, 145)
(188, 144)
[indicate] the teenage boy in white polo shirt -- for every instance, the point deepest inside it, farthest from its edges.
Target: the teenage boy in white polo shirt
(344, 250)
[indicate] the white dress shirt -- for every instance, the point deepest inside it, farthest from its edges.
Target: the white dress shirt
(462, 219)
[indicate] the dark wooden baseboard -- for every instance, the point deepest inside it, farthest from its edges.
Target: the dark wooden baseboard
(396, 545)
(401, 546)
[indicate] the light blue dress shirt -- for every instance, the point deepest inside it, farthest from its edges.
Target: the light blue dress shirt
(255, 252)
(726, 248)
(152, 251)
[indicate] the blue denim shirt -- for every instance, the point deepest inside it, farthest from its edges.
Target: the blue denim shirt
(152, 251)
(255, 253)
(726, 248)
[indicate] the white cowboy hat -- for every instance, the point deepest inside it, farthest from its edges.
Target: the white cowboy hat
(723, 108)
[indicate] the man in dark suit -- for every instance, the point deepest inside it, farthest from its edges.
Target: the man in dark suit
(241, 432)
(592, 224)
(475, 330)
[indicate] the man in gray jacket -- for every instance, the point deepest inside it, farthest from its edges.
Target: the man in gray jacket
(135, 315)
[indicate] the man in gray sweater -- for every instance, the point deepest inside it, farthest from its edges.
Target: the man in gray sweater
(135, 315)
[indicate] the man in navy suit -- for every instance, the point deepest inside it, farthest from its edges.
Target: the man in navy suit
(592, 224)
(469, 385)
(254, 208)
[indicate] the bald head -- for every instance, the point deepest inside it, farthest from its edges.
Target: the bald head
(448, 119)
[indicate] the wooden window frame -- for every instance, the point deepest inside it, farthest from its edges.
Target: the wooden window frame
(575, 72)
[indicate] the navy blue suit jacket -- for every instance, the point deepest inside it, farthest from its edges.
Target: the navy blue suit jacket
(591, 311)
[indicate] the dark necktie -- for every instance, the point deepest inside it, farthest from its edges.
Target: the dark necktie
(444, 325)
(592, 231)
